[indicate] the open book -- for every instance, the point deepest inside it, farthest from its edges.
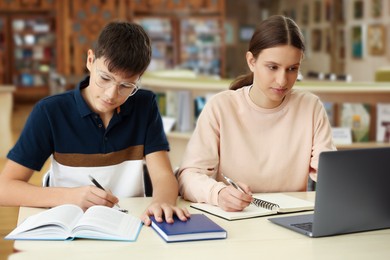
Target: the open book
(268, 204)
(67, 222)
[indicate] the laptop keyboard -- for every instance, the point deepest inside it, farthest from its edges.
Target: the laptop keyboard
(305, 226)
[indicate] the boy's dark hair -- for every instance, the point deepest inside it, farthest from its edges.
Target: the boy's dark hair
(125, 46)
(275, 31)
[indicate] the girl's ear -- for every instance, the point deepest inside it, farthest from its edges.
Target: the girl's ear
(250, 60)
(90, 59)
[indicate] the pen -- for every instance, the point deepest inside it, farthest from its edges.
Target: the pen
(94, 181)
(257, 202)
(97, 184)
(231, 182)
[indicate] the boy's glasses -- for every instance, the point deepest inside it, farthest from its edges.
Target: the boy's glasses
(124, 88)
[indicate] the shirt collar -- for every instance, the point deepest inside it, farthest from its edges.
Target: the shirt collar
(82, 105)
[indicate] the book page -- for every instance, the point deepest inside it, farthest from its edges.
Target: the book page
(55, 223)
(100, 222)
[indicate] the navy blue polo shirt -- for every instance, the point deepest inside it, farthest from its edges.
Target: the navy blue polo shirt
(64, 127)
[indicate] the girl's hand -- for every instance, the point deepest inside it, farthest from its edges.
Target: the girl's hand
(231, 199)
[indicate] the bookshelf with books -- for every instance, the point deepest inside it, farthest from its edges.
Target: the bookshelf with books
(187, 34)
(356, 94)
(28, 46)
(33, 53)
(161, 32)
(336, 93)
(27, 53)
(201, 45)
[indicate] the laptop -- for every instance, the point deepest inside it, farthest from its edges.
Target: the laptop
(352, 194)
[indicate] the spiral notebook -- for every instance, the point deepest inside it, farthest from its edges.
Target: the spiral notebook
(266, 204)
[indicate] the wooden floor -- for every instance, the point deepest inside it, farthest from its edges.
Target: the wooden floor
(8, 215)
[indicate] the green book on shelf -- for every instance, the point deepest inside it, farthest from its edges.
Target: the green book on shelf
(162, 103)
(357, 117)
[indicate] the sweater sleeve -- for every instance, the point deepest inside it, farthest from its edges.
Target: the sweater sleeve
(322, 138)
(197, 174)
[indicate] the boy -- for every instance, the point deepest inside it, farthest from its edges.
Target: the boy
(105, 128)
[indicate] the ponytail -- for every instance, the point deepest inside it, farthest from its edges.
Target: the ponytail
(242, 81)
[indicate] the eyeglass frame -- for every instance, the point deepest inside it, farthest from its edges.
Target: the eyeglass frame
(111, 82)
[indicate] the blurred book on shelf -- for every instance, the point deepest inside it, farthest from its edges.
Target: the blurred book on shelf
(162, 102)
(342, 135)
(357, 117)
(184, 116)
(199, 103)
(178, 106)
(330, 108)
(383, 122)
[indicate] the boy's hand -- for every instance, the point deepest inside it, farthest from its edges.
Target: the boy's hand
(159, 211)
(88, 196)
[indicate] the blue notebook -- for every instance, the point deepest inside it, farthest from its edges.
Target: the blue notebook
(197, 227)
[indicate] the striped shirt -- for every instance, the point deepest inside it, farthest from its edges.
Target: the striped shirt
(64, 128)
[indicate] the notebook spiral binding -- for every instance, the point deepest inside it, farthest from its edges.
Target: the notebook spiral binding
(265, 204)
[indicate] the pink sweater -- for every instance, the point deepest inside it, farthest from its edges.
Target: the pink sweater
(271, 150)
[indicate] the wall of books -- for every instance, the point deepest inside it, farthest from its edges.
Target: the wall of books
(347, 36)
(33, 50)
(28, 46)
(162, 34)
(358, 112)
(164, 21)
(201, 45)
(193, 43)
(35, 35)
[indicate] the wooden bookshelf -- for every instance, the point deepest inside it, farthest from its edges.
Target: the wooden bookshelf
(185, 34)
(361, 145)
(361, 92)
(67, 29)
(162, 33)
(29, 44)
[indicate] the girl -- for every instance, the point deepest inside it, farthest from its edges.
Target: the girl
(260, 133)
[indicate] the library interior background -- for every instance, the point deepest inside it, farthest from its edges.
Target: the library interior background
(199, 47)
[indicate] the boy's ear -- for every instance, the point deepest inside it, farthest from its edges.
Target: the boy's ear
(90, 59)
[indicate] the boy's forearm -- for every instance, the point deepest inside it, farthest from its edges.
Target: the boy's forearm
(166, 192)
(19, 193)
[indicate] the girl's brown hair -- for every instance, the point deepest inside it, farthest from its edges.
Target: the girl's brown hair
(275, 31)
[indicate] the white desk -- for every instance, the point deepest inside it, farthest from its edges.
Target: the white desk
(6, 104)
(247, 239)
